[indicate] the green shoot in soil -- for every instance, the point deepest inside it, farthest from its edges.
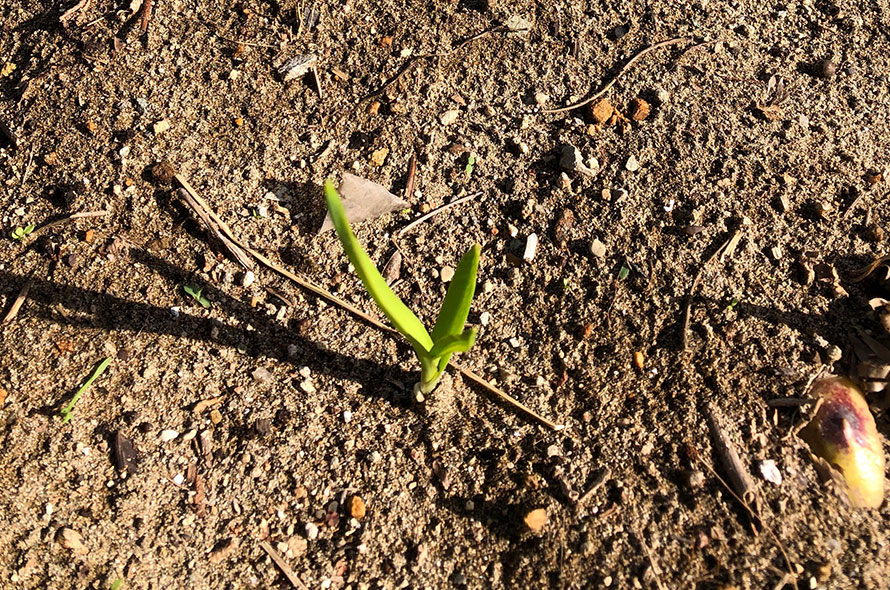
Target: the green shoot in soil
(66, 411)
(116, 585)
(448, 336)
(195, 293)
(21, 233)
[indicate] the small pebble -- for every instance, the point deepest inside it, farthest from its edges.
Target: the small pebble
(770, 472)
(484, 318)
(597, 248)
(447, 273)
(632, 165)
(168, 435)
(531, 246)
(72, 540)
(161, 126)
(311, 531)
(825, 68)
(449, 116)
(541, 99)
(347, 416)
(178, 479)
(247, 279)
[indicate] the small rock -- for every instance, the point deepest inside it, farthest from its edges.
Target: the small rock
(357, 508)
(447, 273)
(662, 95)
(484, 318)
(776, 253)
(770, 472)
(297, 546)
(597, 248)
(307, 386)
(639, 109)
(347, 416)
(449, 116)
(536, 519)
(311, 531)
(178, 479)
(215, 416)
(825, 68)
(602, 111)
(531, 246)
(168, 435)
(262, 426)
(695, 479)
(564, 222)
(554, 451)
(541, 99)
(161, 126)
(262, 375)
(72, 540)
(632, 165)
(874, 233)
(378, 157)
(247, 279)
(571, 159)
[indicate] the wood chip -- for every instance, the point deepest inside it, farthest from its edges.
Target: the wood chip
(72, 540)
(17, 304)
(125, 455)
(207, 403)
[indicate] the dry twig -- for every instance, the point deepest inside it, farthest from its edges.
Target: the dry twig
(687, 313)
(70, 218)
(655, 571)
(729, 457)
(17, 304)
(146, 16)
(435, 212)
(620, 73)
(239, 254)
(768, 528)
(282, 565)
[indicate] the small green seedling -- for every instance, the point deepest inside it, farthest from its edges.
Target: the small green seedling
(117, 584)
(195, 293)
(623, 273)
(471, 162)
(21, 233)
(434, 349)
(67, 410)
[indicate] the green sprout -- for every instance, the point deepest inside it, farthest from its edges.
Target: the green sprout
(117, 584)
(195, 293)
(471, 162)
(21, 233)
(623, 272)
(67, 410)
(434, 349)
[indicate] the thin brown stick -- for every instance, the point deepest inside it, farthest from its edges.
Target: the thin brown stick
(17, 304)
(597, 484)
(412, 174)
(317, 83)
(403, 69)
(729, 457)
(435, 212)
(766, 526)
(282, 565)
(620, 73)
(505, 397)
(73, 11)
(146, 16)
(239, 254)
(70, 218)
(655, 571)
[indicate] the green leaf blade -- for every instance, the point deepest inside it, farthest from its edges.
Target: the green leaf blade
(459, 296)
(402, 318)
(453, 343)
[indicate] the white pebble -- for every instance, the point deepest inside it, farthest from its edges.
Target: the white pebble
(531, 246)
(632, 165)
(484, 318)
(770, 472)
(347, 416)
(247, 279)
(168, 435)
(311, 531)
(178, 479)
(447, 273)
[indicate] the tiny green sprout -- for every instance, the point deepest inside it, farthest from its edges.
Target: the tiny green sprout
(471, 162)
(20, 233)
(434, 349)
(195, 293)
(117, 584)
(732, 304)
(623, 272)
(66, 412)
